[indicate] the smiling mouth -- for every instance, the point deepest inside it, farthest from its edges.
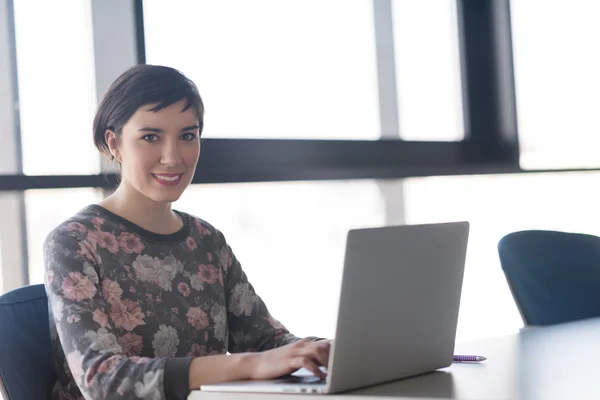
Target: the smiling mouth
(168, 179)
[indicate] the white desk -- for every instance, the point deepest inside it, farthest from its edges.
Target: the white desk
(558, 362)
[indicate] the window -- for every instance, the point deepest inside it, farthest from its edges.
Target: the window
(273, 69)
(495, 206)
(46, 209)
(428, 70)
(557, 82)
(57, 93)
(290, 239)
(11, 259)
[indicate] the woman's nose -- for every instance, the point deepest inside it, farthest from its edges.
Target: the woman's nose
(171, 154)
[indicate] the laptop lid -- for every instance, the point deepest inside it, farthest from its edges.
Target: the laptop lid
(399, 303)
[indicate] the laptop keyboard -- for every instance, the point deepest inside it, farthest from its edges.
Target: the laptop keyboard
(301, 379)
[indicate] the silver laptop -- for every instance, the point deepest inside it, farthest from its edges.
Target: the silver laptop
(397, 314)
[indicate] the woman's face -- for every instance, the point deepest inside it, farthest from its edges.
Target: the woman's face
(158, 151)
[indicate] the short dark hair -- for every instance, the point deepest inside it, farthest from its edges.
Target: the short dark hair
(138, 86)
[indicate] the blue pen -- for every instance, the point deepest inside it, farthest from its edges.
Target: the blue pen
(458, 358)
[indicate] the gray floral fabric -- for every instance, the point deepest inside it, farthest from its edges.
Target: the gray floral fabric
(131, 308)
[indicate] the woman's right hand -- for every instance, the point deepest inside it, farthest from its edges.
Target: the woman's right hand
(284, 360)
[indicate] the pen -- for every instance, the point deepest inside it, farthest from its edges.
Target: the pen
(468, 358)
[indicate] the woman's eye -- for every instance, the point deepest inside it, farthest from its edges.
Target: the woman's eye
(150, 138)
(188, 136)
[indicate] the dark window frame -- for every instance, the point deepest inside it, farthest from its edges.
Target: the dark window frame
(490, 145)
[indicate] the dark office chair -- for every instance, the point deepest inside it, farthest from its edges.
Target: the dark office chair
(26, 366)
(554, 277)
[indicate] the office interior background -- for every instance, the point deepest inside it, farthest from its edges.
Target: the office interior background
(321, 116)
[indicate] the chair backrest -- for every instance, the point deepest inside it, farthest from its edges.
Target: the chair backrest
(554, 277)
(26, 367)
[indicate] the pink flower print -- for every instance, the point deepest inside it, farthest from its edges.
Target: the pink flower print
(109, 241)
(191, 243)
(184, 289)
(93, 237)
(130, 243)
(208, 273)
(127, 268)
(76, 227)
(77, 287)
(97, 222)
(175, 310)
(132, 289)
(111, 291)
(204, 231)
(100, 318)
(209, 257)
(197, 318)
(127, 314)
(197, 350)
(131, 343)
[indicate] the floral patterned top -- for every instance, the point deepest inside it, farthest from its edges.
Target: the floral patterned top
(131, 308)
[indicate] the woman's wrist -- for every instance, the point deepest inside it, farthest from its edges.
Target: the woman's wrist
(221, 368)
(247, 365)
(195, 379)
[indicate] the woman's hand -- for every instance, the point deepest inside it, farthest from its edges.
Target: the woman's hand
(287, 359)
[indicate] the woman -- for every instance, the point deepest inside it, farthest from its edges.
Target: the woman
(146, 301)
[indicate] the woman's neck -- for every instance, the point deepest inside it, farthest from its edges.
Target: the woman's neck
(153, 216)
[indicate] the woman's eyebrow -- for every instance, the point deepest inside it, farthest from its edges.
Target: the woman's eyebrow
(191, 128)
(157, 130)
(154, 130)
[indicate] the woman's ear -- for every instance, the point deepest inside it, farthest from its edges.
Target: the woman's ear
(112, 141)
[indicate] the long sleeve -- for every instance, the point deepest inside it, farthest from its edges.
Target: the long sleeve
(86, 314)
(251, 326)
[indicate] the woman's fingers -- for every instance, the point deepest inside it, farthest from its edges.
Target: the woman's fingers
(312, 367)
(321, 353)
(311, 355)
